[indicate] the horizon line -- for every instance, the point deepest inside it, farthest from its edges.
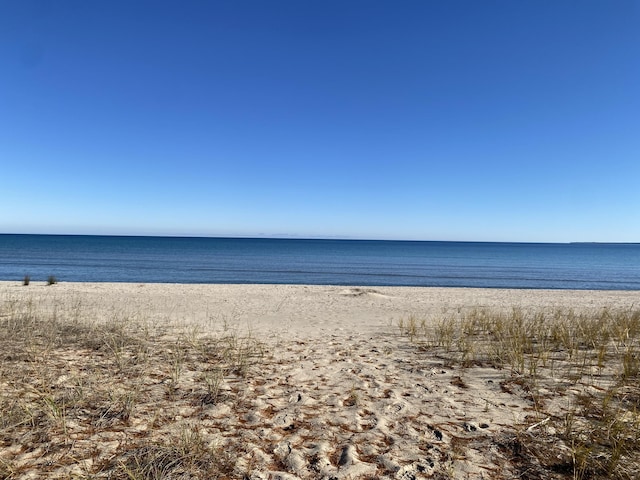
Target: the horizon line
(310, 237)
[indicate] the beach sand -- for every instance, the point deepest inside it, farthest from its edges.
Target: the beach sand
(301, 311)
(336, 392)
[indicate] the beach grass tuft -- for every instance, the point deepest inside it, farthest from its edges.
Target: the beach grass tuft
(71, 383)
(590, 360)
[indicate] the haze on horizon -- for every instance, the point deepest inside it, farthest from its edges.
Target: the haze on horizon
(458, 120)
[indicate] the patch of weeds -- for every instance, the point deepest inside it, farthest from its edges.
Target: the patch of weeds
(213, 382)
(188, 456)
(60, 388)
(592, 359)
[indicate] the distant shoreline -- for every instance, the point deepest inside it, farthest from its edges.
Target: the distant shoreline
(314, 238)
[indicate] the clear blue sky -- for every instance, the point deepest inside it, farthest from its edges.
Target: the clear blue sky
(436, 120)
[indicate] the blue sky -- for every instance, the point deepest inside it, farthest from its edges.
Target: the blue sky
(435, 120)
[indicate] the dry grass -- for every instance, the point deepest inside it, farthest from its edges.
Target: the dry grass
(118, 399)
(581, 372)
(127, 399)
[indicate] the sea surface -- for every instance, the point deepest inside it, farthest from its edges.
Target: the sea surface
(79, 258)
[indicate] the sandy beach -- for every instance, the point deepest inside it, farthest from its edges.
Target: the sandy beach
(331, 386)
(300, 311)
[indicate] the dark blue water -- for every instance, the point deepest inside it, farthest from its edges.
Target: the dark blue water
(336, 262)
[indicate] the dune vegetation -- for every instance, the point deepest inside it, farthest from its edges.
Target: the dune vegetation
(580, 372)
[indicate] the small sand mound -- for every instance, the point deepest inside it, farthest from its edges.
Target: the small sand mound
(359, 292)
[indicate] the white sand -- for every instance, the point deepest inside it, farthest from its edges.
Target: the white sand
(342, 394)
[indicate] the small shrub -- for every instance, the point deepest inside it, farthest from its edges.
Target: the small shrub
(52, 280)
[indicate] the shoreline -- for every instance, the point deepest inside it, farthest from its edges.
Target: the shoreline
(41, 282)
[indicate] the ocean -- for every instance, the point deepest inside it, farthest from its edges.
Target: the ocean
(80, 258)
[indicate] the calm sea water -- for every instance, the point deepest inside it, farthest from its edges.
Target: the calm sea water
(77, 258)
